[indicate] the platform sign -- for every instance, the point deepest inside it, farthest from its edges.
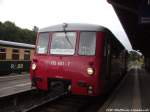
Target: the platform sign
(144, 9)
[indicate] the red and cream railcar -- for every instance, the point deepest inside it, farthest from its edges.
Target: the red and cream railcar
(83, 58)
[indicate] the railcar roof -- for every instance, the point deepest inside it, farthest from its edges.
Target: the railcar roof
(16, 44)
(74, 27)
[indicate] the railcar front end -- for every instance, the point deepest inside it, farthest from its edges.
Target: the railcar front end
(70, 59)
(81, 58)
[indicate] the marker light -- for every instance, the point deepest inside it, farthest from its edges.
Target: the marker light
(69, 87)
(90, 87)
(90, 71)
(33, 66)
(90, 92)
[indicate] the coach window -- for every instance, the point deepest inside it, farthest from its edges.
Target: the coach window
(15, 54)
(2, 53)
(42, 43)
(27, 55)
(87, 43)
(63, 43)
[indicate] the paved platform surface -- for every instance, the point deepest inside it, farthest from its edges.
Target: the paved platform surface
(10, 85)
(132, 95)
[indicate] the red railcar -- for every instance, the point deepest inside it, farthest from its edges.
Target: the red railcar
(84, 58)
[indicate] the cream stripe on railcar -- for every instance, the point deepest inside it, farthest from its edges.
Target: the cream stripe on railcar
(21, 54)
(32, 51)
(8, 53)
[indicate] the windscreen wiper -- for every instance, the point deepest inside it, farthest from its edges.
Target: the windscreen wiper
(64, 28)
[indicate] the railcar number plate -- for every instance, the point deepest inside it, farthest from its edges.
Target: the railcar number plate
(60, 63)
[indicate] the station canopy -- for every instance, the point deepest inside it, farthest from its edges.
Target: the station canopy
(135, 18)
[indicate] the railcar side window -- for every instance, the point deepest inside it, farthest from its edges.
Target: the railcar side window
(63, 43)
(27, 55)
(87, 43)
(15, 55)
(42, 43)
(2, 53)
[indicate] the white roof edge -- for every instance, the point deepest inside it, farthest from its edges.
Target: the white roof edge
(17, 44)
(74, 27)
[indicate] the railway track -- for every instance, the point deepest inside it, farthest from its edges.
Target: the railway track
(64, 104)
(72, 103)
(39, 101)
(24, 102)
(44, 100)
(56, 101)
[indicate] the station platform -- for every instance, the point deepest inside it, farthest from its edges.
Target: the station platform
(14, 84)
(131, 95)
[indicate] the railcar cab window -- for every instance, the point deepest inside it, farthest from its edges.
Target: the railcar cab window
(63, 43)
(42, 45)
(87, 43)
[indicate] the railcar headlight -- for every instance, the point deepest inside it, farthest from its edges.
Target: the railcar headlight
(90, 71)
(34, 66)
